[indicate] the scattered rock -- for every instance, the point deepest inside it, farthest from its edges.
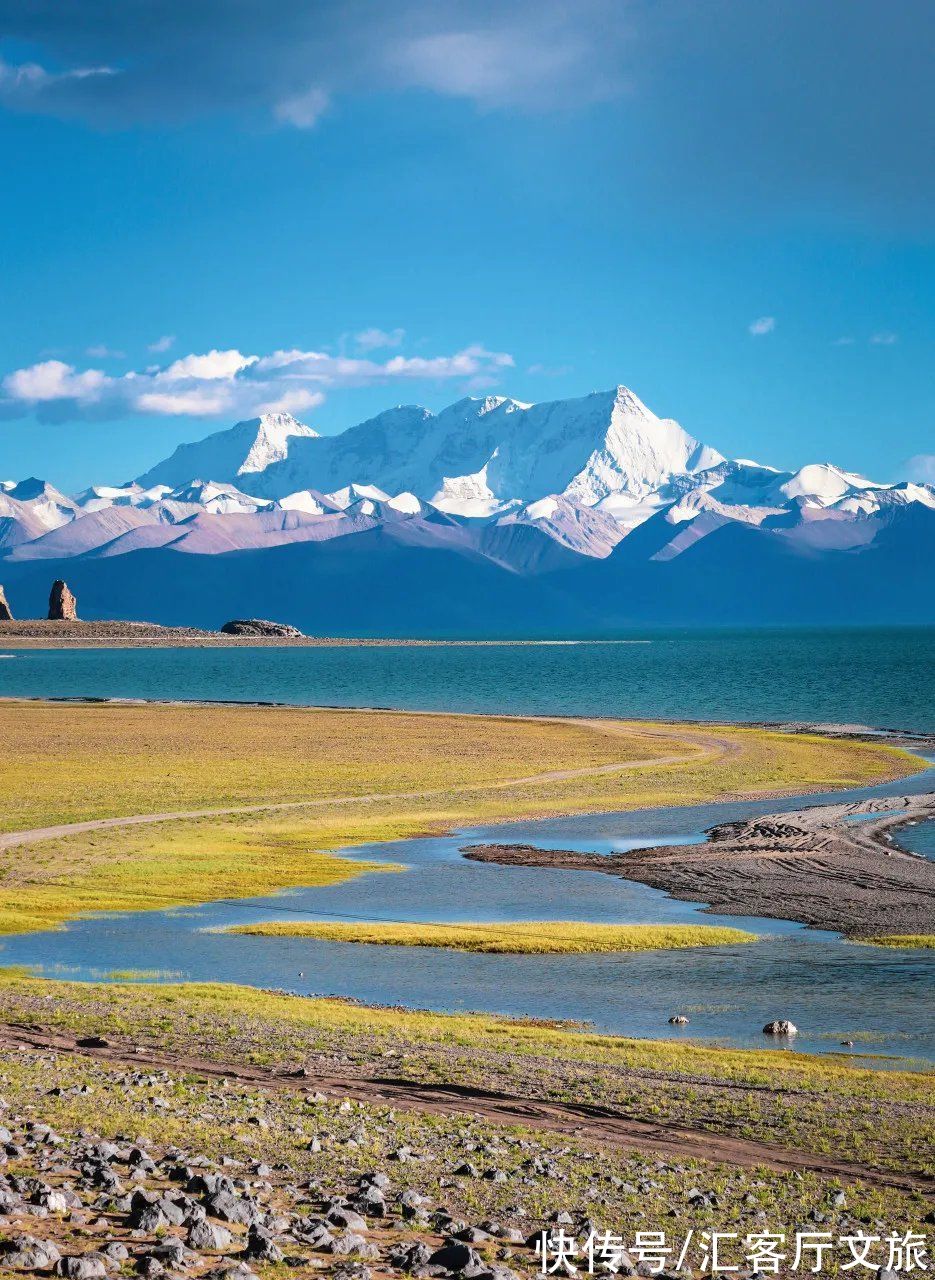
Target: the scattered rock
(63, 607)
(455, 1256)
(26, 1253)
(258, 627)
(679, 1020)
(262, 1247)
(207, 1235)
(89, 1267)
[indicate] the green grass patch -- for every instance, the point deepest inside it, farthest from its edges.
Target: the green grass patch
(143, 975)
(915, 941)
(534, 937)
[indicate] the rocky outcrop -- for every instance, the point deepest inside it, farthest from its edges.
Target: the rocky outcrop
(259, 627)
(6, 613)
(63, 607)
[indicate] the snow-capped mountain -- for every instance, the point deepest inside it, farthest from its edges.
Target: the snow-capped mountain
(474, 457)
(556, 492)
(243, 450)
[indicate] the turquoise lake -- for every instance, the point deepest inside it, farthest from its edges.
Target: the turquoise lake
(883, 677)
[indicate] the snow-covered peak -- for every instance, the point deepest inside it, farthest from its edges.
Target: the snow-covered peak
(351, 493)
(273, 431)
(49, 506)
(304, 500)
(219, 499)
(821, 483)
(405, 503)
(246, 449)
(639, 452)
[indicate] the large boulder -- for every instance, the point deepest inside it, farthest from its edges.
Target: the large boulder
(259, 627)
(781, 1027)
(63, 607)
(6, 614)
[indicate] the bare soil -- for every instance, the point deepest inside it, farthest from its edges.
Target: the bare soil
(815, 866)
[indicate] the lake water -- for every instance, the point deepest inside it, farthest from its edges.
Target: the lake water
(883, 677)
(833, 990)
(920, 838)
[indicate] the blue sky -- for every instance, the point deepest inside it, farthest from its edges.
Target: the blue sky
(338, 207)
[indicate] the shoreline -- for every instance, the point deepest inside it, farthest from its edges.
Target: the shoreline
(817, 867)
(902, 739)
(114, 634)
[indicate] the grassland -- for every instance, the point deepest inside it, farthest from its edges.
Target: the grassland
(826, 1105)
(349, 778)
(533, 937)
(913, 941)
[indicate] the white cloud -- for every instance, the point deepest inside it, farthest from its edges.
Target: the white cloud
(227, 383)
(374, 339)
(215, 364)
(54, 380)
(197, 403)
(843, 342)
(884, 339)
(303, 110)
(921, 468)
(294, 401)
(162, 344)
(762, 325)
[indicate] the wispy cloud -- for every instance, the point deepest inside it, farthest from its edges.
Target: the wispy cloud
(844, 342)
(162, 344)
(102, 352)
(884, 339)
(375, 339)
(762, 326)
(732, 114)
(221, 383)
(29, 86)
(921, 468)
(177, 60)
(303, 110)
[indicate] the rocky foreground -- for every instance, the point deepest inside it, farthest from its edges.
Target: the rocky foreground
(831, 867)
(111, 1170)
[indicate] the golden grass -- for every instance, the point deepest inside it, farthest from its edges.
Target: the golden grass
(73, 762)
(534, 937)
(916, 941)
(362, 777)
(79, 761)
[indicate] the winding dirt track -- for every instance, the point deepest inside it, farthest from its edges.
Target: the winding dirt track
(708, 746)
(598, 1124)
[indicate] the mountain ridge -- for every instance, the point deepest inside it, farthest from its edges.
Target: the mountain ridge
(597, 488)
